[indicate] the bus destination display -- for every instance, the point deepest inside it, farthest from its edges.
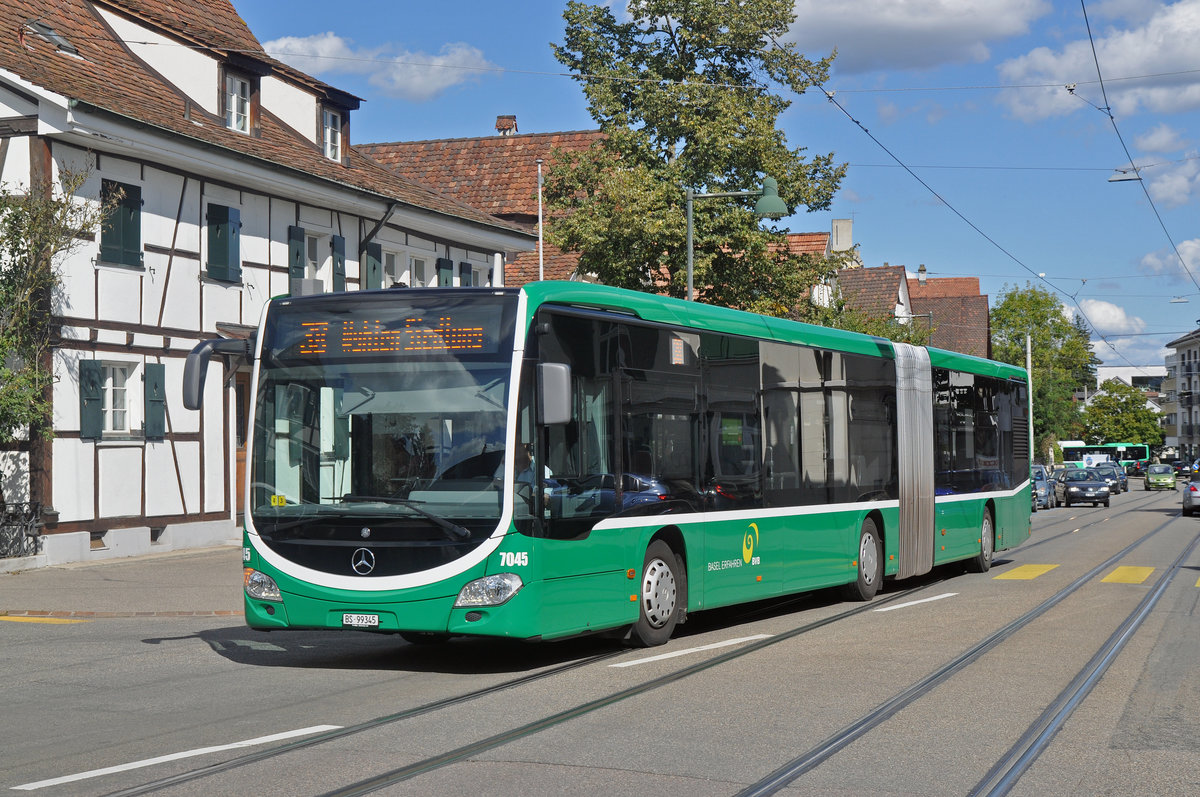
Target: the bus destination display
(373, 337)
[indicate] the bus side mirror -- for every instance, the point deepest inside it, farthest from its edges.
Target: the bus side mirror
(554, 393)
(195, 369)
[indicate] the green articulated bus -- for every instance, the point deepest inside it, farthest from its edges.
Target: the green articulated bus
(1081, 455)
(567, 458)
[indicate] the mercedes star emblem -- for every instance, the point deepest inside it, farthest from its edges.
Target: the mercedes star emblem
(362, 561)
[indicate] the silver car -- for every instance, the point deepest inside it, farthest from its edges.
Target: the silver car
(1191, 496)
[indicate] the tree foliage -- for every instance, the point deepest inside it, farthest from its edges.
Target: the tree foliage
(1062, 358)
(682, 93)
(1118, 414)
(37, 228)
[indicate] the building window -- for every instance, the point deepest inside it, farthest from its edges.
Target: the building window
(237, 103)
(418, 274)
(331, 133)
(114, 406)
(121, 232)
(391, 269)
(312, 245)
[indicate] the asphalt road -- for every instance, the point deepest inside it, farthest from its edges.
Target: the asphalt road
(125, 673)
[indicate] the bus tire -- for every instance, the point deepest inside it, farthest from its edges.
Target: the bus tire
(982, 561)
(663, 596)
(870, 565)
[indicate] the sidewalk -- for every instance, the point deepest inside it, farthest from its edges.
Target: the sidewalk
(196, 582)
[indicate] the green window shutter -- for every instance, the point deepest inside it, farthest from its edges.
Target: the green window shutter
(155, 400)
(339, 262)
(131, 226)
(91, 399)
(224, 243)
(466, 275)
(445, 270)
(296, 253)
(111, 230)
(373, 267)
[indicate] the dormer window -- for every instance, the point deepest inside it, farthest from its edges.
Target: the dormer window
(331, 133)
(237, 103)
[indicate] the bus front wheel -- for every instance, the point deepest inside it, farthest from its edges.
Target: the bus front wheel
(663, 596)
(870, 564)
(982, 562)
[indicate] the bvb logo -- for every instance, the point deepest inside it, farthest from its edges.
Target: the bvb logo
(748, 543)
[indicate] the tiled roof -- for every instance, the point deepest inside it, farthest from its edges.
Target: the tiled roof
(556, 265)
(874, 291)
(935, 287)
(107, 76)
(497, 174)
(961, 323)
(804, 243)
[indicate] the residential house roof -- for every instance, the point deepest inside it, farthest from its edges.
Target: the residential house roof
(960, 323)
(805, 243)
(935, 287)
(107, 76)
(874, 291)
(499, 175)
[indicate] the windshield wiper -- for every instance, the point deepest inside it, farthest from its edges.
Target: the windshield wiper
(453, 530)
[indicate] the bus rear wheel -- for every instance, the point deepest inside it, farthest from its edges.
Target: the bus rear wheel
(982, 562)
(663, 596)
(870, 564)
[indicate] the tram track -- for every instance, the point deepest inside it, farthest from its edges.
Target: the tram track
(775, 781)
(810, 760)
(412, 770)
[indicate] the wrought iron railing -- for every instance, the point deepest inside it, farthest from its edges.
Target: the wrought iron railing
(20, 529)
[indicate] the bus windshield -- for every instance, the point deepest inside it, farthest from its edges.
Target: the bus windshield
(384, 413)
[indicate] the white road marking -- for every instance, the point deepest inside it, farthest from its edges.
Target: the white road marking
(149, 762)
(675, 653)
(914, 603)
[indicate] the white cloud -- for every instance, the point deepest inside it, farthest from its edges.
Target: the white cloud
(1160, 45)
(1175, 185)
(916, 34)
(1162, 138)
(1109, 319)
(397, 73)
(1165, 263)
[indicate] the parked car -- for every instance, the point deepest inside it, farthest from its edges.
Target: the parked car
(1160, 477)
(1082, 486)
(1043, 488)
(1137, 468)
(1191, 497)
(1112, 473)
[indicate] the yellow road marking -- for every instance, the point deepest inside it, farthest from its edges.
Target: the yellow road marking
(47, 620)
(1128, 575)
(1026, 572)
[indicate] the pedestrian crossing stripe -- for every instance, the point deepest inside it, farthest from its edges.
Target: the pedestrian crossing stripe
(1025, 572)
(45, 620)
(1128, 575)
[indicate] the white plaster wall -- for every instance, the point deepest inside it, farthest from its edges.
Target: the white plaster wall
(120, 479)
(66, 389)
(119, 292)
(189, 471)
(14, 475)
(182, 310)
(16, 164)
(297, 108)
(74, 477)
(192, 72)
(180, 420)
(221, 303)
(162, 488)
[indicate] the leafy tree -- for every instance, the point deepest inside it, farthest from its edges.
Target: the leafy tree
(37, 227)
(1118, 414)
(1062, 358)
(682, 94)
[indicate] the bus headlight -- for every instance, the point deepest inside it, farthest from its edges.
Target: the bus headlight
(489, 591)
(260, 586)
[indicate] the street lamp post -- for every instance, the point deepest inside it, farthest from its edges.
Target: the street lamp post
(769, 206)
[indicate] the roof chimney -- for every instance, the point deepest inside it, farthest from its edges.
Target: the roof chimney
(506, 125)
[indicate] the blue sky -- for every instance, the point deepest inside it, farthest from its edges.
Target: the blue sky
(970, 95)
